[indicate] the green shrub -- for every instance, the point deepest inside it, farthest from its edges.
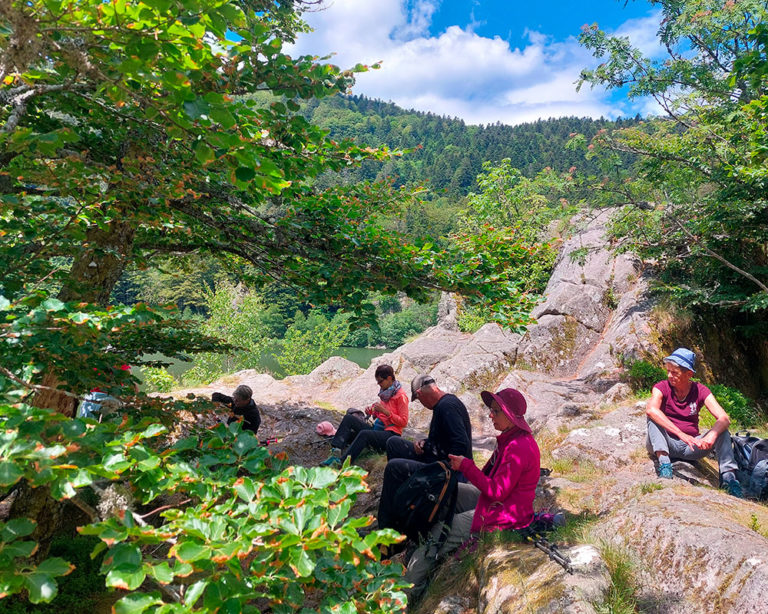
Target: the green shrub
(157, 379)
(76, 594)
(738, 407)
(414, 319)
(252, 535)
(470, 319)
(310, 341)
(642, 375)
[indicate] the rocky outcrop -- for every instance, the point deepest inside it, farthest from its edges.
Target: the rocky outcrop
(595, 310)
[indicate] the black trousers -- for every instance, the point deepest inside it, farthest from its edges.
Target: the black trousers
(361, 434)
(397, 471)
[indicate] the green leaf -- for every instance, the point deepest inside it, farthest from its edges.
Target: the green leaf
(53, 304)
(189, 551)
(125, 579)
(162, 572)
(41, 586)
(16, 528)
(153, 430)
(55, 566)
(9, 473)
(302, 564)
(194, 592)
(204, 153)
(245, 174)
(18, 549)
(137, 603)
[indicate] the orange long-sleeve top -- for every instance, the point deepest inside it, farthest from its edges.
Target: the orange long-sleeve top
(398, 418)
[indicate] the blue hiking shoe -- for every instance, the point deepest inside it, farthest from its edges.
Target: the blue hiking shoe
(733, 488)
(334, 460)
(665, 471)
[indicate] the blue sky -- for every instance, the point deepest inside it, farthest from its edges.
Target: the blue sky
(483, 61)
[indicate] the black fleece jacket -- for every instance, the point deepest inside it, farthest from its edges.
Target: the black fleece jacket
(449, 431)
(250, 413)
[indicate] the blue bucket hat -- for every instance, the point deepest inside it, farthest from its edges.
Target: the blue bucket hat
(683, 357)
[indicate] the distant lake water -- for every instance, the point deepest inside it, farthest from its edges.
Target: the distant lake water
(268, 364)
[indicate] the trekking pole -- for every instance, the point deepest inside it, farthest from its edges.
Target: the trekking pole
(551, 551)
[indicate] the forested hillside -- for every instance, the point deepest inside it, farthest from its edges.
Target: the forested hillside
(447, 154)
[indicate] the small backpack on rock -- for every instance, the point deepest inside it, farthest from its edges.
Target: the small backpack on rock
(751, 455)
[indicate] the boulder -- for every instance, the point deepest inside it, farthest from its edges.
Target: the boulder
(697, 550)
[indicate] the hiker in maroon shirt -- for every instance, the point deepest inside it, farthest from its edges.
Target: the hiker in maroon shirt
(673, 422)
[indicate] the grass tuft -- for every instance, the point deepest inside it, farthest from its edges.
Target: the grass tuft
(621, 597)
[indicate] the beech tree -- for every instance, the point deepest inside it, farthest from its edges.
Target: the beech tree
(129, 129)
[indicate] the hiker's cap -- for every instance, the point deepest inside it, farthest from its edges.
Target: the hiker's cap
(325, 429)
(418, 382)
(683, 357)
(512, 403)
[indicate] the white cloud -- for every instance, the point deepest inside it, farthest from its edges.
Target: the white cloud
(460, 73)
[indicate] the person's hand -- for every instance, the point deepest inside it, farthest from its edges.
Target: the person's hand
(381, 409)
(455, 461)
(690, 441)
(708, 441)
(418, 446)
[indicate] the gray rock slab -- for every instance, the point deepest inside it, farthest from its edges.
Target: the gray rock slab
(694, 551)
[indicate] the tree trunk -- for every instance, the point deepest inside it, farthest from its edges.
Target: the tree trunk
(99, 266)
(37, 503)
(94, 274)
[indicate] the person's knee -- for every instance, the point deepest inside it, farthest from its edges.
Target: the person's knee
(394, 446)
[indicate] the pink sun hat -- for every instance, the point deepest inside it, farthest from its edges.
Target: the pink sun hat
(512, 403)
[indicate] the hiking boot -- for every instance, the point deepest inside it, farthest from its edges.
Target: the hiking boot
(334, 460)
(733, 488)
(665, 471)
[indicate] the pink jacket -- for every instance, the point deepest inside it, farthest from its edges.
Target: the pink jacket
(507, 483)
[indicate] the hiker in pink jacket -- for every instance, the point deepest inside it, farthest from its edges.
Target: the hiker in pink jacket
(498, 496)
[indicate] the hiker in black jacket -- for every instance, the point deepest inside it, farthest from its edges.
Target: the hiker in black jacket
(449, 433)
(242, 405)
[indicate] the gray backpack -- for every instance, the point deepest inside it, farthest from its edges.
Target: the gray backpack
(751, 455)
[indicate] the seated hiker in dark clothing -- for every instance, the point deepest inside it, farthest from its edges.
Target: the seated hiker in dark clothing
(390, 415)
(450, 432)
(242, 406)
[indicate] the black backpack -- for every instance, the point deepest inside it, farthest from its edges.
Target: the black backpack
(751, 454)
(426, 497)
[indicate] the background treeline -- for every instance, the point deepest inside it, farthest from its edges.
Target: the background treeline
(448, 154)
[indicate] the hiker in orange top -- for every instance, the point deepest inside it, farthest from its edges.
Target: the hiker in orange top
(390, 414)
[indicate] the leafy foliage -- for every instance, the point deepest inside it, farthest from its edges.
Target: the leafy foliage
(642, 375)
(310, 341)
(739, 408)
(248, 529)
(237, 316)
(158, 379)
(700, 186)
